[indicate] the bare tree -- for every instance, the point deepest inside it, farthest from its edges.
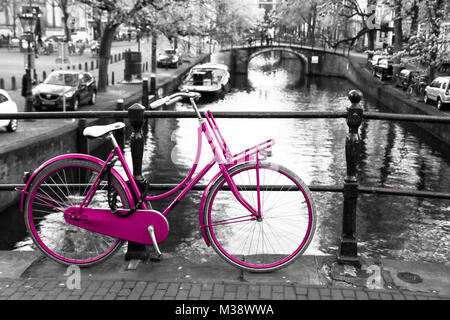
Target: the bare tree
(351, 10)
(298, 12)
(65, 5)
(140, 13)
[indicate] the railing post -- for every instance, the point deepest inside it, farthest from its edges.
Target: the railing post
(82, 141)
(145, 93)
(136, 251)
(348, 253)
(153, 85)
(120, 134)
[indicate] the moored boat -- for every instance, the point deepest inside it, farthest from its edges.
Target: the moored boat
(208, 79)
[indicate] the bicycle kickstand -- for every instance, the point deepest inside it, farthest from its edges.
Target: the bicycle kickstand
(158, 256)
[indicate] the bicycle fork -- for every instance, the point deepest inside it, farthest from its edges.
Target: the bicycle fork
(256, 212)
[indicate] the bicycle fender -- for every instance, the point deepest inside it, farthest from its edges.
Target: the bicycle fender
(77, 156)
(202, 207)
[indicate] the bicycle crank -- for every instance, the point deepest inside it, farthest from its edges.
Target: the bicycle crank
(151, 231)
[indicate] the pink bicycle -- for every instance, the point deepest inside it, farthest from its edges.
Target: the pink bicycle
(257, 215)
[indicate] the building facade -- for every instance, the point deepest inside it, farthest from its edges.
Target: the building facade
(51, 18)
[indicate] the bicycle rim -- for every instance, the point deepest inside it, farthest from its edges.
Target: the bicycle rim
(287, 224)
(67, 182)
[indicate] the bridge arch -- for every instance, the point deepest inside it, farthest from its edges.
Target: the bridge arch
(300, 56)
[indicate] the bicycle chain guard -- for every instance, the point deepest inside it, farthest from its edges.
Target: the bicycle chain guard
(134, 228)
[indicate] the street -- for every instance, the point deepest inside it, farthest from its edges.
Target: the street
(12, 61)
(12, 65)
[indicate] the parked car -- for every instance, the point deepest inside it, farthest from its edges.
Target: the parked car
(4, 41)
(51, 43)
(56, 38)
(438, 91)
(169, 58)
(7, 106)
(14, 43)
(79, 36)
(405, 78)
(382, 67)
(75, 87)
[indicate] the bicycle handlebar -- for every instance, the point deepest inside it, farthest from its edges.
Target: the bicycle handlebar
(177, 97)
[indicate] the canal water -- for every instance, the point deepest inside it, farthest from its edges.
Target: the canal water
(393, 155)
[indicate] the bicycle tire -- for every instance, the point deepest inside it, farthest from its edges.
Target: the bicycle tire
(57, 239)
(228, 241)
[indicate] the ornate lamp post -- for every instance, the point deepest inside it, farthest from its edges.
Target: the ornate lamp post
(28, 21)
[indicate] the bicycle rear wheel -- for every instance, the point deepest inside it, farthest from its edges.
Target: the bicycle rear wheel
(67, 181)
(272, 242)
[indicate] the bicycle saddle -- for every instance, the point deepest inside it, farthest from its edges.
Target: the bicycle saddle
(98, 131)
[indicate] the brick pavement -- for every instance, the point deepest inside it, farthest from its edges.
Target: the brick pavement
(39, 289)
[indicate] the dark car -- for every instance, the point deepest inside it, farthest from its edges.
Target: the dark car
(77, 87)
(405, 77)
(169, 58)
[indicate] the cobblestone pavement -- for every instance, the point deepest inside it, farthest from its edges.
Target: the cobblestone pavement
(38, 289)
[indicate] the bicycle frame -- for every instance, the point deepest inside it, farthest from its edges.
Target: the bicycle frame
(222, 156)
(224, 159)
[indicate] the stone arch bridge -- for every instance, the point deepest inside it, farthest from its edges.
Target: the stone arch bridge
(315, 61)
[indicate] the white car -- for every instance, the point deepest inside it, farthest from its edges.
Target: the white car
(80, 36)
(7, 106)
(438, 91)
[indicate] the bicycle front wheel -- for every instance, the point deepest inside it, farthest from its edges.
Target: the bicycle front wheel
(284, 230)
(67, 182)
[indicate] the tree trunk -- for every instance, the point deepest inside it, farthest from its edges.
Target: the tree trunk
(431, 73)
(67, 32)
(435, 14)
(98, 29)
(414, 14)
(398, 29)
(313, 23)
(371, 36)
(105, 55)
(97, 17)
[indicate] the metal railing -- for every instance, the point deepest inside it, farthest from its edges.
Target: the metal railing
(137, 115)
